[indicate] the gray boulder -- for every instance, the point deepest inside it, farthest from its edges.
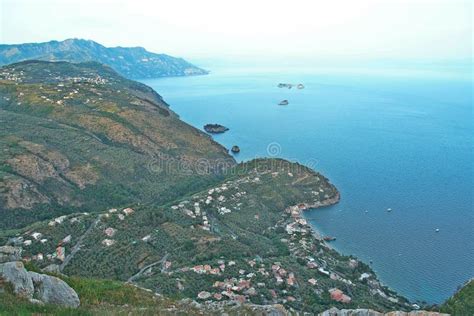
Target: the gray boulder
(9, 253)
(52, 268)
(36, 287)
(52, 290)
(16, 274)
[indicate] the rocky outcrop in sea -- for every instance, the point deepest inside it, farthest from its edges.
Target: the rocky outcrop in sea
(215, 128)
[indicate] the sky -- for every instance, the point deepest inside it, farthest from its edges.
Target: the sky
(305, 29)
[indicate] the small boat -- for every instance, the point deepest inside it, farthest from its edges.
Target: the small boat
(300, 86)
(283, 102)
(389, 209)
(329, 238)
(437, 230)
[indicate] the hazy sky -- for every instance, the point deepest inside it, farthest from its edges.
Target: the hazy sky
(384, 29)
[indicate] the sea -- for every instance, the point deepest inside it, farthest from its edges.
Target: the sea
(397, 143)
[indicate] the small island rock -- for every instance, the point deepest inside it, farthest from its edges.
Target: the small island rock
(215, 128)
(235, 149)
(285, 85)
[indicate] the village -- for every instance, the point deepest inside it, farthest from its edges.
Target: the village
(56, 89)
(12, 76)
(311, 267)
(19, 77)
(253, 276)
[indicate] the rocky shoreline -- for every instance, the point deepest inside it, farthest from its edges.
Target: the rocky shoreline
(302, 207)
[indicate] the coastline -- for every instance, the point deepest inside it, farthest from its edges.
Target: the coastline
(297, 211)
(295, 222)
(199, 104)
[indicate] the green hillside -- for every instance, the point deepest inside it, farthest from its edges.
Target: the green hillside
(242, 239)
(79, 137)
(461, 303)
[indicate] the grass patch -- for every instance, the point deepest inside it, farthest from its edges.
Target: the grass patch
(461, 303)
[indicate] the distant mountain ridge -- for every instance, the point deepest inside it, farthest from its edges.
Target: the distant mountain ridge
(131, 62)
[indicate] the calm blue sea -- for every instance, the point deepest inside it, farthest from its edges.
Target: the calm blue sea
(400, 140)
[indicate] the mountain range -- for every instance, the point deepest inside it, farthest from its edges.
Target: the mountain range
(131, 62)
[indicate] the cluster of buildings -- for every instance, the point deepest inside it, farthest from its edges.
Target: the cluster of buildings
(16, 76)
(250, 279)
(339, 296)
(281, 275)
(93, 79)
(19, 76)
(220, 200)
(61, 96)
(110, 232)
(215, 200)
(60, 251)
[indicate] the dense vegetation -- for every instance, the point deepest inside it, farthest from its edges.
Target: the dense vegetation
(237, 238)
(98, 297)
(461, 303)
(131, 62)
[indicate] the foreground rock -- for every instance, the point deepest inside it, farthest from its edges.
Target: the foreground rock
(36, 287)
(16, 274)
(52, 290)
(9, 253)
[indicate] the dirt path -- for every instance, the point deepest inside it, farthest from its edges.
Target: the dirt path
(142, 270)
(300, 179)
(77, 246)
